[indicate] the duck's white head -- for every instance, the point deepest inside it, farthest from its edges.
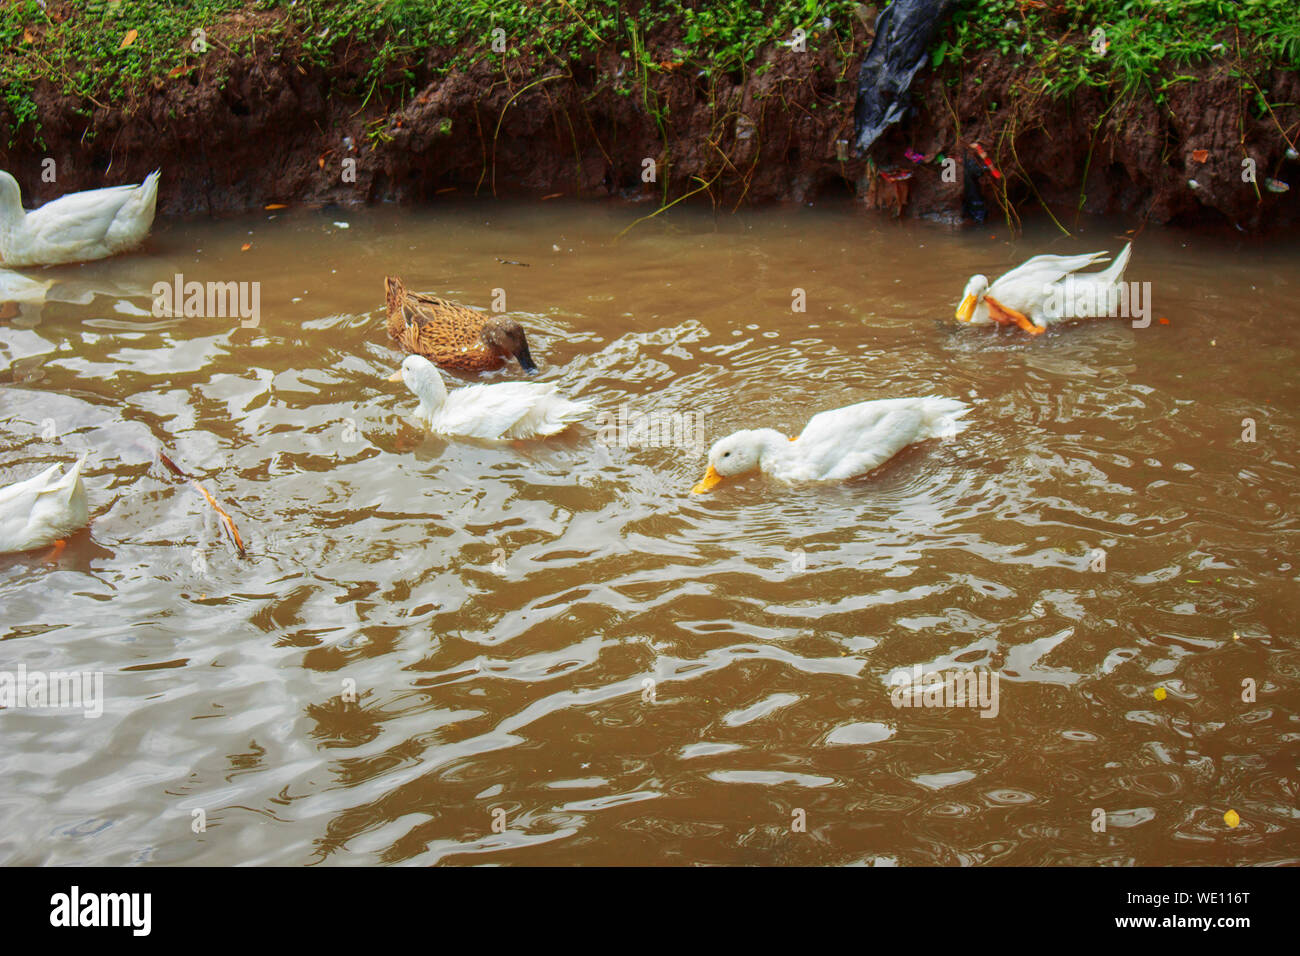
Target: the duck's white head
(736, 454)
(11, 198)
(971, 296)
(422, 377)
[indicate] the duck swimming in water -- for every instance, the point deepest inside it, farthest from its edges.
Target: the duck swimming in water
(452, 335)
(1043, 291)
(497, 411)
(834, 445)
(78, 227)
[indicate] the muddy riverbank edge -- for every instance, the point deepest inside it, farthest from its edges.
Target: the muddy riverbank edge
(242, 132)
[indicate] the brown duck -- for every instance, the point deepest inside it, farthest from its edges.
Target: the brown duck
(452, 335)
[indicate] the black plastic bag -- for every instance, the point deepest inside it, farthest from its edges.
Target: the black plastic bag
(904, 32)
(972, 200)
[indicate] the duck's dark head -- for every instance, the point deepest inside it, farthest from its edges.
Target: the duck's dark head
(507, 338)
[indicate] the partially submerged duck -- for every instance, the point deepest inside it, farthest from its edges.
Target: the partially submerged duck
(452, 335)
(79, 227)
(1044, 290)
(42, 510)
(834, 445)
(497, 411)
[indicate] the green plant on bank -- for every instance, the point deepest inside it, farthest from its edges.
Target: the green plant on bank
(109, 53)
(1129, 49)
(102, 51)
(1142, 43)
(80, 50)
(82, 54)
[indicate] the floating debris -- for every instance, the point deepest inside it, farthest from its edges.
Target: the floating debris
(1276, 186)
(511, 262)
(227, 522)
(1200, 155)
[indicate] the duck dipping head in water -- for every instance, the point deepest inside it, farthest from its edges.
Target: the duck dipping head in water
(971, 298)
(453, 335)
(507, 338)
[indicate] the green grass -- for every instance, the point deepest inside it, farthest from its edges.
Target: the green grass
(403, 43)
(82, 55)
(1149, 43)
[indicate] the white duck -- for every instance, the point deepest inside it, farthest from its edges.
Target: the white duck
(41, 510)
(501, 410)
(78, 227)
(837, 444)
(1044, 290)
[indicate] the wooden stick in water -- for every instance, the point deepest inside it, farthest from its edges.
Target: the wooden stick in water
(226, 521)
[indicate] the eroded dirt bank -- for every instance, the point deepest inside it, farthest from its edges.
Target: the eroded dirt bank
(240, 132)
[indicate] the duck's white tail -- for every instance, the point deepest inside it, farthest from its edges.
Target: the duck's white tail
(150, 188)
(943, 416)
(1115, 271)
(66, 484)
(570, 412)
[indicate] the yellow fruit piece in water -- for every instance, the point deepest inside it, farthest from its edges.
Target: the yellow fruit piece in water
(1159, 693)
(1231, 818)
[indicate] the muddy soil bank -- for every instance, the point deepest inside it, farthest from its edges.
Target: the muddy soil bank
(241, 133)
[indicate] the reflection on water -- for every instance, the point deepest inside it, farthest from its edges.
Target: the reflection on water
(558, 631)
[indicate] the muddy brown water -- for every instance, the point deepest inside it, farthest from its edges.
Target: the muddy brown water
(560, 632)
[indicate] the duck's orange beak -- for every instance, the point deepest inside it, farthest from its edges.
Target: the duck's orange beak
(710, 479)
(396, 376)
(966, 309)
